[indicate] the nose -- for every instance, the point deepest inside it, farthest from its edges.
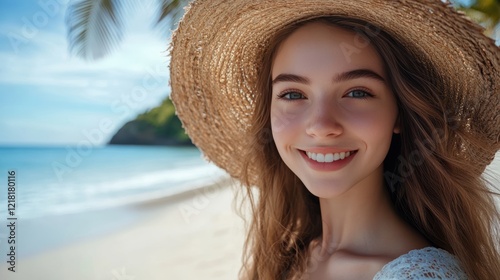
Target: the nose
(323, 121)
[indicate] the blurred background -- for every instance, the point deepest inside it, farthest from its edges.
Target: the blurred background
(98, 153)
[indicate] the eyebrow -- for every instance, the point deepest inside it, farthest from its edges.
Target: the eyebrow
(354, 74)
(291, 78)
(359, 73)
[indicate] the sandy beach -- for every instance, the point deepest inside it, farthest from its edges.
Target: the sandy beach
(194, 235)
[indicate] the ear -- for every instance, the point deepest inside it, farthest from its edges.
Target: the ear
(397, 128)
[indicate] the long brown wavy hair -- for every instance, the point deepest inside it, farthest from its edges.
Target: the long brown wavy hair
(441, 196)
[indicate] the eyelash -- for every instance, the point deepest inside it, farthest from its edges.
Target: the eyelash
(365, 91)
(287, 92)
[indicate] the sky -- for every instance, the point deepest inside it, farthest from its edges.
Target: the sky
(51, 97)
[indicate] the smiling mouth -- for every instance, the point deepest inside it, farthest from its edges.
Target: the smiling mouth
(329, 157)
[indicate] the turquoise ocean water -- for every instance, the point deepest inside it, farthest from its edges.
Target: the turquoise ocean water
(68, 194)
(65, 180)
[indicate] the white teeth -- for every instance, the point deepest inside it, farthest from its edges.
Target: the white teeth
(336, 156)
(320, 157)
(328, 157)
(312, 155)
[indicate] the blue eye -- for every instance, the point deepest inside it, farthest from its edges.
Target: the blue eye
(292, 95)
(358, 94)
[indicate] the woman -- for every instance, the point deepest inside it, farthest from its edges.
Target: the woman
(364, 127)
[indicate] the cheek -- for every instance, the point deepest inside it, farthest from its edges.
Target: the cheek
(278, 124)
(280, 128)
(377, 130)
(285, 127)
(284, 117)
(378, 117)
(374, 126)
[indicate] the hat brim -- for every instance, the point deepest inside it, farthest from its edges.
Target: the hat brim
(216, 47)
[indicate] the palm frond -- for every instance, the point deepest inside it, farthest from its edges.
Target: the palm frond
(95, 27)
(171, 11)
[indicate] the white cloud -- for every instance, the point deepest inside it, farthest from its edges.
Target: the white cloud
(133, 78)
(139, 52)
(140, 63)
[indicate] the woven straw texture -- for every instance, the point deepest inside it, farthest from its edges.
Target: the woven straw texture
(217, 44)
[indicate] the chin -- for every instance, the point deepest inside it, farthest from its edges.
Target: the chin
(327, 190)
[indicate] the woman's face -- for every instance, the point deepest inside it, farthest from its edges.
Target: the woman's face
(332, 111)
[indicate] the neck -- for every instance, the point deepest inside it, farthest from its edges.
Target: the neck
(362, 220)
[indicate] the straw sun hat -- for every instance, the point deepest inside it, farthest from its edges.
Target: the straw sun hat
(216, 47)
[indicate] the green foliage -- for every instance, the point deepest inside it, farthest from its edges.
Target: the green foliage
(484, 12)
(165, 121)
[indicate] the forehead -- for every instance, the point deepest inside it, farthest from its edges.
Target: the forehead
(320, 46)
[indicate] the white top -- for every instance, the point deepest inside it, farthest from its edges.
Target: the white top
(426, 263)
